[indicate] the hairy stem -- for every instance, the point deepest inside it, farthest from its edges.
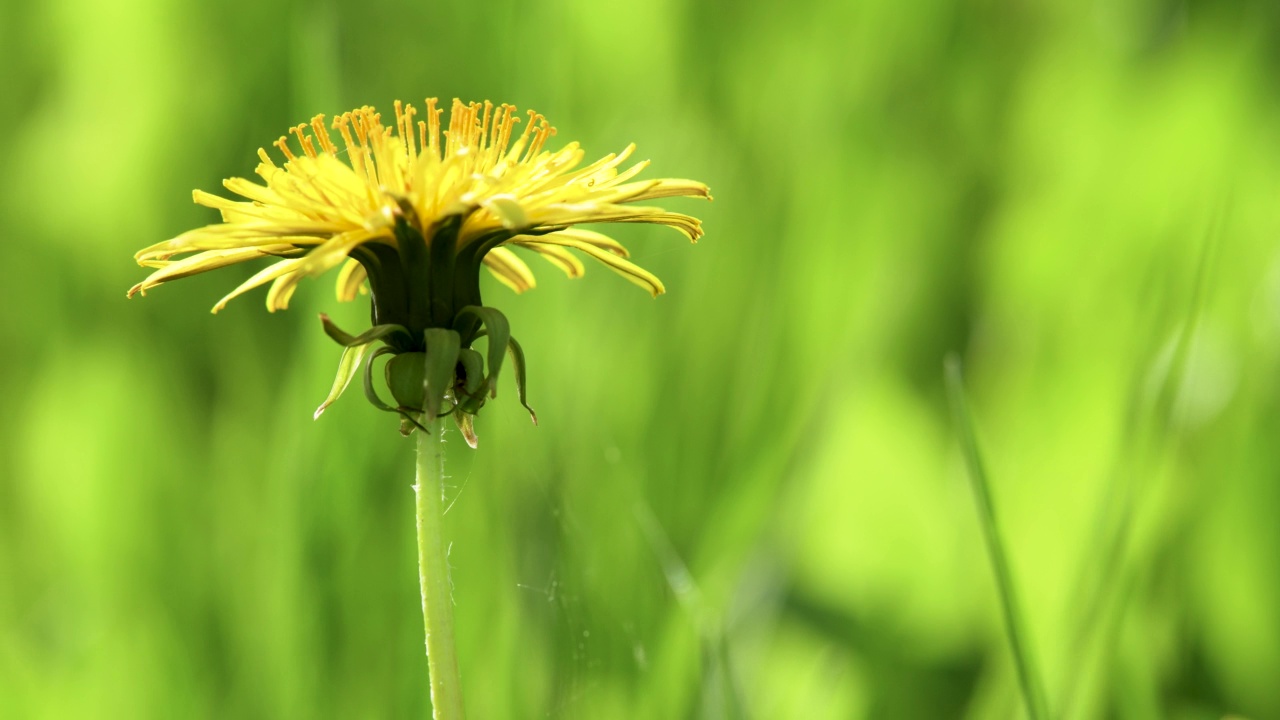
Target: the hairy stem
(433, 575)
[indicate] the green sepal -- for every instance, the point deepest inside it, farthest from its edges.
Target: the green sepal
(473, 392)
(441, 362)
(466, 424)
(385, 270)
(499, 331)
(442, 255)
(340, 336)
(472, 403)
(372, 396)
(517, 365)
(348, 366)
(406, 379)
(369, 392)
(408, 425)
(412, 248)
(346, 339)
(473, 365)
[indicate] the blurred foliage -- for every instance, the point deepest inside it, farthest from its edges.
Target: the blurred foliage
(745, 498)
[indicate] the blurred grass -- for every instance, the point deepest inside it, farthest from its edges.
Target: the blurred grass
(1029, 185)
(1029, 680)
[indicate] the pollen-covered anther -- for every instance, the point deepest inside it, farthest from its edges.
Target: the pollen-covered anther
(322, 135)
(283, 144)
(300, 131)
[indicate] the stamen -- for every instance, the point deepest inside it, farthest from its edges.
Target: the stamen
(547, 132)
(322, 134)
(533, 123)
(463, 136)
(508, 126)
(539, 127)
(483, 135)
(386, 150)
(357, 153)
(404, 128)
(342, 124)
(433, 125)
(473, 126)
(499, 133)
(368, 130)
(296, 131)
(303, 140)
(359, 121)
(456, 114)
(283, 144)
(495, 129)
(407, 133)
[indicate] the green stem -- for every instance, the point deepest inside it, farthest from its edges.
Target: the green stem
(1032, 687)
(433, 574)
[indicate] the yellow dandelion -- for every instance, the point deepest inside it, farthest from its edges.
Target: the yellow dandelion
(410, 213)
(473, 187)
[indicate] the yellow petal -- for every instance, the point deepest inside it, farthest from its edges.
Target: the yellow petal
(281, 290)
(604, 164)
(558, 256)
(612, 178)
(508, 211)
(334, 250)
(509, 269)
(201, 262)
(225, 237)
(604, 242)
(261, 278)
(598, 212)
(351, 281)
(253, 191)
(553, 174)
(625, 268)
(238, 211)
(688, 225)
(667, 187)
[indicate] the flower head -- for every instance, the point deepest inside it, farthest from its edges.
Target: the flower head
(410, 213)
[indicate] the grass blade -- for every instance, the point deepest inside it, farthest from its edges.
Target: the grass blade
(1028, 677)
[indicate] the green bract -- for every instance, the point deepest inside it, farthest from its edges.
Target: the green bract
(427, 312)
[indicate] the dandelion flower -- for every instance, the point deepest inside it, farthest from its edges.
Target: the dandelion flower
(409, 214)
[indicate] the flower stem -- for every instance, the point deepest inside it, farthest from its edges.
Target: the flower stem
(433, 574)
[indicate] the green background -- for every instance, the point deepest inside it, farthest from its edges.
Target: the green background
(745, 499)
